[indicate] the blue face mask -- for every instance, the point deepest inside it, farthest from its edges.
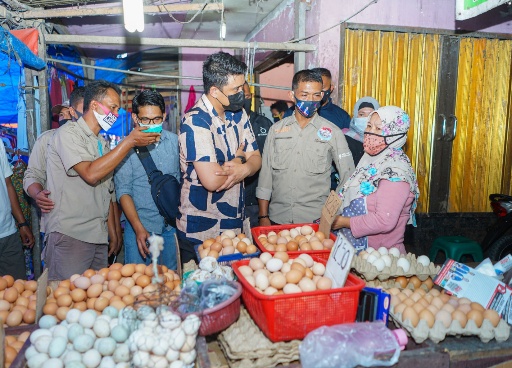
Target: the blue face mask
(152, 128)
(307, 108)
(360, 125)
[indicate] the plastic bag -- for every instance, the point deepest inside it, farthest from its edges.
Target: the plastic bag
(196, 297)
(348, 345)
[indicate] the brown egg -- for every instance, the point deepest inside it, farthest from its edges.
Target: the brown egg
(241, 247)
(82, 282)
(228, 250)
(128, 282)
(293, 276)
(428, 283)
(61, 313)
(122, 291)
(9, 279)
(50, 308)
(10, 354)
(118, 304)
(401, 281)
(299, 267)
(17, 345)
(320, 235)
(113, 285)
(64, 300)
(281, 248)
(32, 304)
(14, 318)
(31, 285)
(409, 302)
(448, 307)
(60, 291)
(216, 247)
(128, 299)
(323, 283)
(143, 281)
(466, 308)
(309, 273)
(428, 317)
(136, 290)
(437, 302)
(78, 295)
(22, 301)
(410, 314)
(29, 316)
(292, 246)
(94, 291)
(418, 307)
(401, 296)
(492, 316)
(88, 273)
(81, 306)
(283, 256)
(464, 301)
(227, 242)
(208, 242)
(434, 292)
(407, 292)
(444, 297)
(476, 316)
(400, 308)
(9, 339)
(97, 279)
(251, 249)
(415, 296)
(415, 282)
(213, 253)
(140, 268)
(270, 247)
(424, 302)
(100, 304)
(114, 275)
(5, 305)
(11, 294)
(458, 315)
(24, 336)
(116, 266)
(433, 309)
(107, 294)
(445, 317)
(21, 308)
(3, 283)
(27, 293)
(477, 306)
(278, 281)
(3, 315)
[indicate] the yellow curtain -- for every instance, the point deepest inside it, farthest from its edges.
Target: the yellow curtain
(397, 69)
(479, 164)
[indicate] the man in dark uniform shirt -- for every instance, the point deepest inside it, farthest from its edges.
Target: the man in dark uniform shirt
(260, 126)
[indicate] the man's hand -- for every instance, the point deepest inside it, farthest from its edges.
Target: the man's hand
(114, 246)
(43, 202)
(139, 138)
(265, 222)
(27, 238)
(341, 222)
(235, 173)
(142, 236)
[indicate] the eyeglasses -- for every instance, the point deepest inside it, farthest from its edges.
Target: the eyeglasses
(155, 120)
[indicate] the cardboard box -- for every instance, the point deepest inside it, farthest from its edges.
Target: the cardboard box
(465, 282)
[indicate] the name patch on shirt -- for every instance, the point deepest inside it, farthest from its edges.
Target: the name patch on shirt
(283, 130)
(324, 133)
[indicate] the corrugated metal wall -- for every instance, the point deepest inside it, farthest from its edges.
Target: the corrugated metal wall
(397, 69)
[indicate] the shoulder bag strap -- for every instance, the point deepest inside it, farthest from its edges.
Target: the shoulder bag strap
(147, 161)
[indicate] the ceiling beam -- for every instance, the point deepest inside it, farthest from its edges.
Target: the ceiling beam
(144, 41)
(118, 10)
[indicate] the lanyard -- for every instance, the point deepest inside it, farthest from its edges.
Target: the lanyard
(100, 148)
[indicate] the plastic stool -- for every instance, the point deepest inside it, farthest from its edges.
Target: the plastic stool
(455, 247)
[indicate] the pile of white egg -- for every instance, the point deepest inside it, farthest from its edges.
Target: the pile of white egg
(383, 257)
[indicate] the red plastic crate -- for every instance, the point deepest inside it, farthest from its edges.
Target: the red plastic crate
(293, 316)
(257, 231)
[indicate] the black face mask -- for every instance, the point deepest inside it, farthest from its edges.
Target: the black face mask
(327, 94)
(276, 119)
(247, 105)
(236, 101)
(79, 114)
(64, 121)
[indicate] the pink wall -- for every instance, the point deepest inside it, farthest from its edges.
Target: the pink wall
(280, 76)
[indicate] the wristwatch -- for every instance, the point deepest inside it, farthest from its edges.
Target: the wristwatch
(21, 224)
(242, 158)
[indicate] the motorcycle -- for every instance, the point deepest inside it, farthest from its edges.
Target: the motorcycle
(498, 240)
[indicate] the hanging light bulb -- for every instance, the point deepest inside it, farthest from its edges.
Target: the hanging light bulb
(133, 11)
(222, 30)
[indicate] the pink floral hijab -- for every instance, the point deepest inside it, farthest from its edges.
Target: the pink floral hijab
(391, 164)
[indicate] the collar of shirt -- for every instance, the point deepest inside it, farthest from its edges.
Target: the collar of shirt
(230, 116)
(313, 122)
(83, 125)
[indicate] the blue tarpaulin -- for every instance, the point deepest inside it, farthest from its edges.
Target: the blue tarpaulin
(18, 51)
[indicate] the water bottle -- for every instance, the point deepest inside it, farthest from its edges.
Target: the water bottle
(367, 344)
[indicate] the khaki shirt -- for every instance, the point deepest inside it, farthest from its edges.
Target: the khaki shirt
(81, 210)
(36, 169)
(296, 168)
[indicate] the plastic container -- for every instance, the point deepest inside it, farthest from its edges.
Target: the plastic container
(368, 344)
(293, 316)
(257, 231)
(229, 259)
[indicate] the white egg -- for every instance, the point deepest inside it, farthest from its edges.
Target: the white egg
(307, 258)
(404, 263)
(246, 241)
(291, 289)
(188, 357)
(423, 260)
(379, 264)
(47, 322)
(394, 252)
(73, 315)
(370, 250)
(140, 359)
(37, 360)
(371, 258)
(83, 343)
(53, 363)
(70, 356)
(160, 347)
(274, 265)
(318, 269)
(87, 318)
(107, 362)
(43, 343)
(177, 364)
(74, 330)
(57, 346)
(383, 250)
(178, 338)
(191, 324)
(106, 346)
(30, 352)
(190, 343)
(294, 233)
(122, 353)
(60, 330)
(229, 233)
(387, 260)
(265, 257)
(261, 281)
(363, 254)
(101, 328)
(172, 355)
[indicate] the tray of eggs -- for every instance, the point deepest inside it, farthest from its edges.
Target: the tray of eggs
(227, 248)
(117, 286)
(15, 344)
(384, 263)
(402, 282)
(294, 239)
(17, 301)
(434, 315)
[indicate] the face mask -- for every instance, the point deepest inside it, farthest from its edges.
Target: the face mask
(327, 94)
(307, 108)
(105, 120)
(374, 144)
(78, 114)
(236, 101)
(247, 105)
(276, 118)
(152, 128)
(360, 125)
(64, 121)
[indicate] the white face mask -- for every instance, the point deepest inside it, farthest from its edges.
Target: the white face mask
(105, 120)
(360, 125)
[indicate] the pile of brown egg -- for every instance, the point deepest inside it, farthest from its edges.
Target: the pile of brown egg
(17, 301)
(226, 244)
(299, 238)
(13, 345)
(117, 286)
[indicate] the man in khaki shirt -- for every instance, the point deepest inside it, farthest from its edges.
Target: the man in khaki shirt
(296, 167)
(79, 179)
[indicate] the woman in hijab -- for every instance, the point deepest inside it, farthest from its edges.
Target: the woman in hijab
(354, 134)
(379, 199)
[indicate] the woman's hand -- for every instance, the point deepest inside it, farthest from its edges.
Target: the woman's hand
(340, 222)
